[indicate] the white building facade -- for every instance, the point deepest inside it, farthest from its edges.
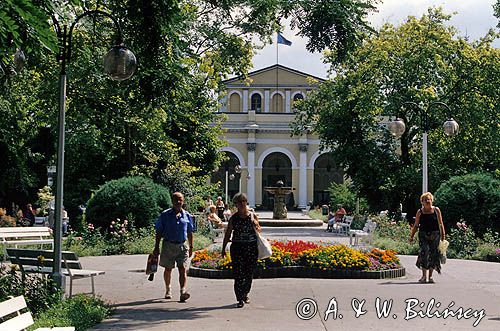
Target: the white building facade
(259, 111)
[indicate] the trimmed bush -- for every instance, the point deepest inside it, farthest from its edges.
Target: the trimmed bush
(137, 199)
(473, 198)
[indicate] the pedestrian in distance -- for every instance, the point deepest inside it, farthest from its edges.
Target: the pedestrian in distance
(243, 226)
(429, 223)
(174, 228)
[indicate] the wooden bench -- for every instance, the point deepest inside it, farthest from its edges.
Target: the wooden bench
(17, 317)
(42, 261)
(17, 236)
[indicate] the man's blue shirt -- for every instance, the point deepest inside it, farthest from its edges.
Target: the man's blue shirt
(174, 226)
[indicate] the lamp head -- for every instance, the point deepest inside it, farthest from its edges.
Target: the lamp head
(397, 127)
(120, 63)
(450, 127)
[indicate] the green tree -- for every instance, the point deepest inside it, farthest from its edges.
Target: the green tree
(163, 118)
(421, 61)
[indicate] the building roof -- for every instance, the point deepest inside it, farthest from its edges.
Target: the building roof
(271, 68)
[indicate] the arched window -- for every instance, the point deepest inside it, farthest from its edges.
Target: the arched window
(234, 103)
(256, 103)
(297, 97)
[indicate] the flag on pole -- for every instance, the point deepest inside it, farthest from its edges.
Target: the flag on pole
(283, 40)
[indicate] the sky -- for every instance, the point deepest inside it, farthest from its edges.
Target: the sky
(473, 18)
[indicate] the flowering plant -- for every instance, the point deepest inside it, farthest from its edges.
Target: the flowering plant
(308, 254)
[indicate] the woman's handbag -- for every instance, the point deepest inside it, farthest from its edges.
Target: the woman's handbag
(263, 246)
(443, 246)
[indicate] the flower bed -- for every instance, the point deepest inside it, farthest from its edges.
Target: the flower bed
(306, 259)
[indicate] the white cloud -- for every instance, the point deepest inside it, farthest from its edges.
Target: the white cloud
(473, 19)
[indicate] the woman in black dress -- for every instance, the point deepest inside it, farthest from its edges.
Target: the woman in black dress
(243, 226)
(429, 223)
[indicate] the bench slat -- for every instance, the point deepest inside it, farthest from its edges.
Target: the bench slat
(12, 305)
(20, 322)
(15, 235)
(35, 253)
(24, 229)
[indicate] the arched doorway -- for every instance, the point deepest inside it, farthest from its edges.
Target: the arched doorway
(233, 178)
(325, 173)
(276, 166)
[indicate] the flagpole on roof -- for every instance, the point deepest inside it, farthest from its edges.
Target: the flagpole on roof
(277, 75)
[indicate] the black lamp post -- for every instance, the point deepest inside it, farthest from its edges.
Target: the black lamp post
(450, 128)
(119, 63)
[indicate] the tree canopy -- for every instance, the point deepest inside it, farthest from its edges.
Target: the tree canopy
(422, 61)
(163, 118)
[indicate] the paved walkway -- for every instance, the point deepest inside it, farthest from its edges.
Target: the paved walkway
(140, 305)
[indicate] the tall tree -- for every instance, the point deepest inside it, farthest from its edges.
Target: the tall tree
(165, 114)
(420, 61)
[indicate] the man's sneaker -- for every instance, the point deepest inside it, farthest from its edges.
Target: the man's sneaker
(184, 296)
(168, 294)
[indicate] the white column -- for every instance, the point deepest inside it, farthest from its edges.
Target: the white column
(267, 101)
(245, 101)
(303, 176)
(287, 101)
(251, 174)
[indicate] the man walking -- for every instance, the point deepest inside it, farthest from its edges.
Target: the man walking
(175, 226)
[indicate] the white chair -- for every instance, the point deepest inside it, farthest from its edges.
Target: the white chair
(362, 235)
(215, 230)
(345, 225)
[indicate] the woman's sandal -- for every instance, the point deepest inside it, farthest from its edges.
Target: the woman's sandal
(430, 281)
(422, 280)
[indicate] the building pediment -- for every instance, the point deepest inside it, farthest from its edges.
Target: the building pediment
(273, 76)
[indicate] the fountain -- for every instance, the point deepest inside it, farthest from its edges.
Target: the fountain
(280, 192)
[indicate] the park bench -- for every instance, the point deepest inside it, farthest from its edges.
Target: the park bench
(17, 236)
(15, 316)
(42, 261)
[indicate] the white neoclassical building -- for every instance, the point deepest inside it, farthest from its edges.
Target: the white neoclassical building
(259, 111)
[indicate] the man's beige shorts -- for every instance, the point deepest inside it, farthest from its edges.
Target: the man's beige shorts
(172, 253)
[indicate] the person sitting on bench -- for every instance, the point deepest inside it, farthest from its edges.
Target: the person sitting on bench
(336, 217)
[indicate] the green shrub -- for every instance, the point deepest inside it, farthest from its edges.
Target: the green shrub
(399, 246)
(39, 292)
(137, 199)
(80, 311)
(473, 198)
(135, 241)
(343, 194)
(463, 242)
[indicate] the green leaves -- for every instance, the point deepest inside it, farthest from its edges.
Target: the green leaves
(420, 61)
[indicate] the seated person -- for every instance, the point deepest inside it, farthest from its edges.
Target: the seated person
(214, 218)
(336, 217)
(227, 212)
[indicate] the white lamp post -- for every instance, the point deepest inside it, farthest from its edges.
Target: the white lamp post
(450, 128)
(120, 63)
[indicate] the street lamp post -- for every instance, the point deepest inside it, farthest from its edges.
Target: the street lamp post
(450, 128)
(120, 64)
